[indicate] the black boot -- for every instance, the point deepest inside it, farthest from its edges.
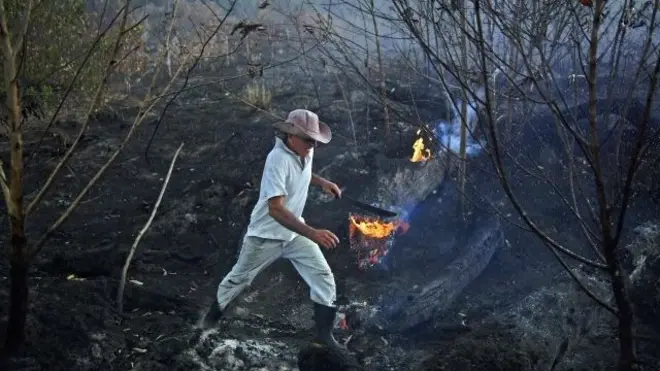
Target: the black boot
(324, 317)
(212, 315)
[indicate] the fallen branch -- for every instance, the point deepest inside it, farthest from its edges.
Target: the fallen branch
(131, 253)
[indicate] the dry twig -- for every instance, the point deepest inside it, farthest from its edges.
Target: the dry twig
(131, 253)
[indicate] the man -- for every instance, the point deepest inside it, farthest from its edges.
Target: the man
(278, 230)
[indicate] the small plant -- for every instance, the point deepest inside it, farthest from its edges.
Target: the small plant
(257, 95)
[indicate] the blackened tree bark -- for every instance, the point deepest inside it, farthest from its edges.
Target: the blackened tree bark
(13, 191)
(18, 276)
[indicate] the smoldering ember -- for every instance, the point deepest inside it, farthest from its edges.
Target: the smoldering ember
(498, 163)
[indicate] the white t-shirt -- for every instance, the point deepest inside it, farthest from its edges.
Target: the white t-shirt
(284, 175)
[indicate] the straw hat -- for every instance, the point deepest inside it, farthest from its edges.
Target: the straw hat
(305, 123)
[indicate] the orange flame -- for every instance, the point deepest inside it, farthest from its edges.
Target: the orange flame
(373, 228)
(420, 153)
(370, 234)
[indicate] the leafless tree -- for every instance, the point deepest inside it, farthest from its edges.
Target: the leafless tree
(593, 72)
(341, 48)
(23, 250)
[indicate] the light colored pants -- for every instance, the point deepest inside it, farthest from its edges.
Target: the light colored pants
(258, 253)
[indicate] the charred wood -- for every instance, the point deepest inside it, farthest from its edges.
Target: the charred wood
(438, 295)
(401, 184)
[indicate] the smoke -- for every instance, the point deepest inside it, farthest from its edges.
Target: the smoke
(448, 132)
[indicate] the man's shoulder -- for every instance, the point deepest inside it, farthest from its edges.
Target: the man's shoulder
(278, 159)
(277, 155)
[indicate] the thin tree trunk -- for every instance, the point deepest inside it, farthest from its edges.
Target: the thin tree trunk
(625, 314)
(14, 194)
(18, 275)
(18, 258)
(462, 176)
(368, 72)
(381, 71)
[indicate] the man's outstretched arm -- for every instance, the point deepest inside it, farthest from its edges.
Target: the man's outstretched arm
(328, 186)
(318, 180)
(278, 211)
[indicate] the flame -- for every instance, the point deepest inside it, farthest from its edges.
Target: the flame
(370, 237)
(420, 153)
(373, 228)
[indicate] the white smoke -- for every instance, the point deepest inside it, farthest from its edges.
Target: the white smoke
(448, 132)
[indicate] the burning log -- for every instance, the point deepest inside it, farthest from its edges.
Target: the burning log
(401, 185)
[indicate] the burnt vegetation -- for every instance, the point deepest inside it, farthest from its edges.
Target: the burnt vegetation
(517, 144)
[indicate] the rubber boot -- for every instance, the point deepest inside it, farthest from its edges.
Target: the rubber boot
(212, 316)
(324, 318)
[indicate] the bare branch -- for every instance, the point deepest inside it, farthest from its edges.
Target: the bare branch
(187, 79)
(92, 107)
(38, 246)
(138, 238)
(582, 286)
(4, 183)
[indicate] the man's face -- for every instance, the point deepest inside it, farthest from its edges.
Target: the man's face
(301, 146)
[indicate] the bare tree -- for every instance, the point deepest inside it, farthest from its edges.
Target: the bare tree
(462, 158)
(353, 57)
(23, 250)
(381, 72)
(522, 68)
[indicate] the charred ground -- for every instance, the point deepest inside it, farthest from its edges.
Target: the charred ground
(194, 240)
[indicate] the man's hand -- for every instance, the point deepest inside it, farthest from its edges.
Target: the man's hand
(324, 238)
(332, 189)
(329, 187)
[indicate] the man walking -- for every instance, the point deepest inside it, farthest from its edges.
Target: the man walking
(278, 230)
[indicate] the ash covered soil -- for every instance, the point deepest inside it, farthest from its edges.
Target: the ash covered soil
(194, 240)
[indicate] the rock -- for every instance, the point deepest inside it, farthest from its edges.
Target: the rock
(218, 353)
(316, 358)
